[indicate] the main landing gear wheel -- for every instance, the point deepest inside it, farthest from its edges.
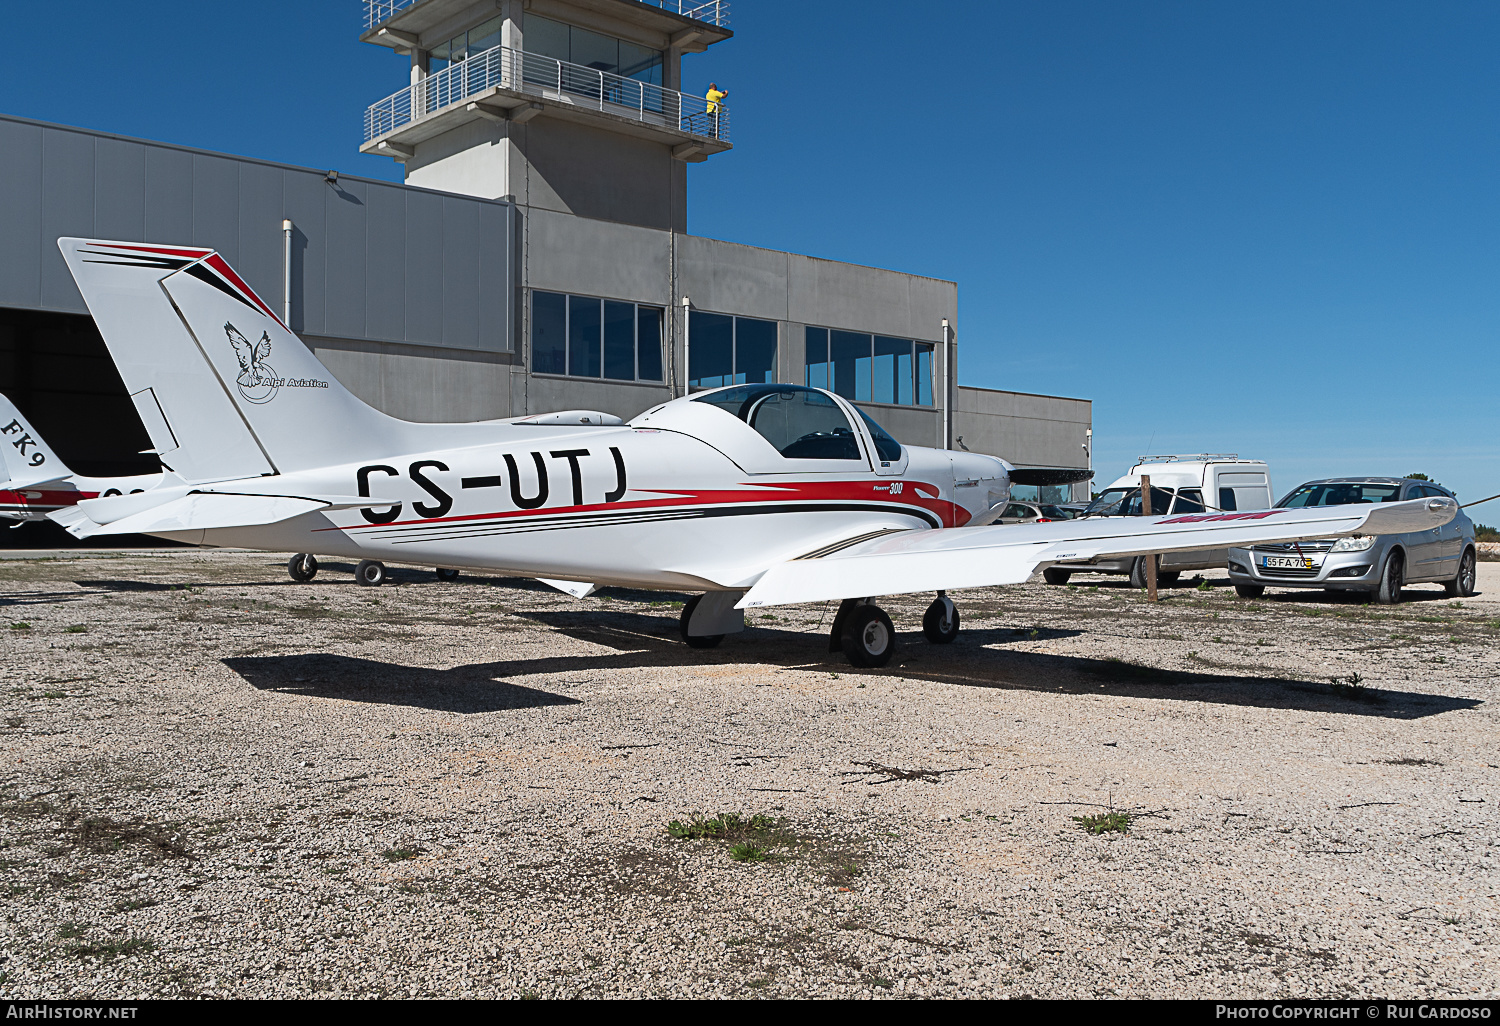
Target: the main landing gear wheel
(868, 638)
(371, 573)
(940, 622)
(695, 640)
(446, 574)
(1462, 586)
(1056, 575)
(303, 566)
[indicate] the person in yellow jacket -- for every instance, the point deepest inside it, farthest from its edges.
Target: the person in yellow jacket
(715, 94)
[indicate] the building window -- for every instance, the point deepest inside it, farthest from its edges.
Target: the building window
(592, 50)
(466, 44)
(870, 368)
(725, 350)
(585, 337)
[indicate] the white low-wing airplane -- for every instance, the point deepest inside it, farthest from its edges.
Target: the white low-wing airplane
(752, 495)
(36, 482)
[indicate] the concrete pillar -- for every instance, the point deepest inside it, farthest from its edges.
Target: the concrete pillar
(511, 34)
(671, 72)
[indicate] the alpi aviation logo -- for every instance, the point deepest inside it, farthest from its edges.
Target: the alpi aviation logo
(258, 381)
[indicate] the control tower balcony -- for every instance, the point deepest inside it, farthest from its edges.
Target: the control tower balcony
(698, 23)
(502, 84)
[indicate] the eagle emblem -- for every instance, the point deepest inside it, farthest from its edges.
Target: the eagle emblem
(257, 379)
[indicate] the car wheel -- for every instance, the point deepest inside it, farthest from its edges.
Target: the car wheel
(446, 574)
(302, 567)
(1249, 590)
(1138, 572)
(1056, 575)
(695, 640)
(1391, 579)
(1462, 586)
(371, 573)
(940, 625)
(869, 639)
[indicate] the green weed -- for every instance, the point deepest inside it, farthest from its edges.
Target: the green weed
(1105, 822)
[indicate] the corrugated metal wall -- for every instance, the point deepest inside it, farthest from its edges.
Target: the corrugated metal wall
(371, 260)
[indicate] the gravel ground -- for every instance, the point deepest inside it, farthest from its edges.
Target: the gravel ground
(218, 782)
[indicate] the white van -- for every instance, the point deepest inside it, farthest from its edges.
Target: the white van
(1207, 482)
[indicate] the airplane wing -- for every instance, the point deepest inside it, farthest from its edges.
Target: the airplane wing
(976, 557)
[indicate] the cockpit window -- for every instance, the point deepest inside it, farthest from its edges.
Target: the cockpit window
(802, 423)
(886, 447)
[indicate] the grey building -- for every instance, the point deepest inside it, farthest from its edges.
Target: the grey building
(538, 256)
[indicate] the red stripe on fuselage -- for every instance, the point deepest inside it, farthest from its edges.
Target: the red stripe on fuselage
(949, 514)
(45, 498)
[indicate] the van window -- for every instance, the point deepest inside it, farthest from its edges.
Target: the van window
(1226, 500)
(1189, 500)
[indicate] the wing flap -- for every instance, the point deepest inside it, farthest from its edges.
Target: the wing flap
(956, 558)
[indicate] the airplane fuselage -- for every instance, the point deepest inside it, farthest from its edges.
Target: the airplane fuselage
(633, 506)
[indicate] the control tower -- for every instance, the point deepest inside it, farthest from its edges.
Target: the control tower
(572, 106)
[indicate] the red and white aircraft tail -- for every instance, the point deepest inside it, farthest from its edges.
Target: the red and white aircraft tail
(225, 390)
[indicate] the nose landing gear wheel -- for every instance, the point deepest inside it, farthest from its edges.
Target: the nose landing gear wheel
(940, 622)
(371, 573)
(695, 640)
(302, 567)
(445, 574)
(868, 637)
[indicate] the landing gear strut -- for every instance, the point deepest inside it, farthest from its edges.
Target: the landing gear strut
(302, 567)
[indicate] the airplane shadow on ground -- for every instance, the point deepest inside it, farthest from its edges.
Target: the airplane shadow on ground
(44, 598)
(463, 689)
(978, 660)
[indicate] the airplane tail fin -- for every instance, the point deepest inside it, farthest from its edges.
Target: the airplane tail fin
(25, 458)
(225, 390)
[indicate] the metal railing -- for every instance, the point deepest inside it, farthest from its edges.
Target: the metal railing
(377, 11)
(551, 79)
(715, 12)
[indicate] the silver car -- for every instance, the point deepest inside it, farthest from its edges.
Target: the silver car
(1019, 511)
(1379, 566)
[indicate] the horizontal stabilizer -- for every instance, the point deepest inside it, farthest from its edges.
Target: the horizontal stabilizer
(976, 557)
(1048, 476)
(202, 512)
(578, 589)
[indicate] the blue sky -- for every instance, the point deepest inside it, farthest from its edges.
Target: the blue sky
(1264, 228)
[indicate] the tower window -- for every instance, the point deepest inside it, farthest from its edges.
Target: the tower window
(592, 49)
(466, 44)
